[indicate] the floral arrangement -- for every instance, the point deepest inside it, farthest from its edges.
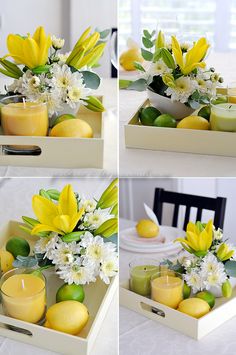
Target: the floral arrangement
(42, 74)
(177, 70)
(73, 235)
(210, 261)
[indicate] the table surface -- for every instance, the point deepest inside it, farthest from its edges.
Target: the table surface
(139, 162)
(139, 335)
(15, 200)
(108, 89)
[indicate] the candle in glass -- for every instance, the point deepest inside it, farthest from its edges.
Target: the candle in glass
(23, 295)
(167, 288)
(223, 115)
(141, 272)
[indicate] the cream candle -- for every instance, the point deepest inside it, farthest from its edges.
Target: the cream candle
(23, 296)
(167, 288)
(141, 272)
(223, 115)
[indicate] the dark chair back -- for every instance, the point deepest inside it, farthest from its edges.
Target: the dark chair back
(177, 199)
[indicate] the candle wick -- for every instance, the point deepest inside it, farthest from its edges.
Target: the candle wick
(145, 269)
(230, 106)
(23, 283)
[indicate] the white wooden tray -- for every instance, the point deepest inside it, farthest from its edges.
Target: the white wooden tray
(223, 310)
(98, 297)
(59, 152)
(178, 140)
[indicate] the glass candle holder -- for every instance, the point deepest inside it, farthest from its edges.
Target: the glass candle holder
(24, 295)
(167, 288)
(223, 113)
(141, 271)
(23, 118)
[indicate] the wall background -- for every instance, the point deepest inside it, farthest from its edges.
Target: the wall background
(134, 192)
(64, 18)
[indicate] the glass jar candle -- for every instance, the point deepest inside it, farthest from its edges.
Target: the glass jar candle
(141, 271)
(167, 288)
(24, 295)
(223, 114)
(23, 118)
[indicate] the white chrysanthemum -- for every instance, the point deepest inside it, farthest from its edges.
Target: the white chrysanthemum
(63, 57)
(46, 245)
(159, 68)
(201, 85)
(53, 100)
(212, 271)
(88, 205)
(57, 43)
(188, 261)
(77, 273)
(194, 280)
(184, 87)
(217, 234)
(211, 264)
(65, 253)
(93, 220)
(63, 77)
(94, 247)
(215, 279)
(109, 268)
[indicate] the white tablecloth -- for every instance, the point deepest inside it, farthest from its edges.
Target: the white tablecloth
(139, 162)
(15, 201)
(108, 89)
(141, 336)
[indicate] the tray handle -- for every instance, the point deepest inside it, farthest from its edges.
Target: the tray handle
(9, 325)
(147, 308)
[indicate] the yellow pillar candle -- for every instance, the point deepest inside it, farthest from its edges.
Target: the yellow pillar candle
(24, 119)
(167, 290)
(24, 297)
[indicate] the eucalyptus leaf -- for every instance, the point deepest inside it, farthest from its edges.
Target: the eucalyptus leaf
(25, 261)
(138, 66)
(104, 33)
(193, 104)
(138, 85)
(147, 42)
(230, 267)
(91, 80)
(147, 55)
(147, 34)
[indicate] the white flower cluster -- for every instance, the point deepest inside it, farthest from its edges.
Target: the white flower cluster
(209, 273)
(93, 217)
(58, 87)
(80, 263)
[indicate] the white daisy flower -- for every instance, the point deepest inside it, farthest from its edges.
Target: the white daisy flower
(184, 87)
(57, 43)
(65, 253)
(46, 245)
(88, 205)
(215, 279)
(63, 57)
(159, 68)
(109, 268)
(217, 234)
(94, 219)
(77, 273)
(210, 264)
(194, 280)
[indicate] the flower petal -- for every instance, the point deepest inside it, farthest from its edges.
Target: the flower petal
(75, 219)
(44, 209)
(67, 202)
(44, 228)
(62, 222)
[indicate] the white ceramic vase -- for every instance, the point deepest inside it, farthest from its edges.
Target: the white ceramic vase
(165, 105)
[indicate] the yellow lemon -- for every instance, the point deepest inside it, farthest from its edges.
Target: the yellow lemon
(72, 128)
(147, 228)
(194, 122)
(6, 260)
(128, 58)
(194, 307)
(67, 316)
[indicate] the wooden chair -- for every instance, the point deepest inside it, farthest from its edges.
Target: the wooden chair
(177, 199)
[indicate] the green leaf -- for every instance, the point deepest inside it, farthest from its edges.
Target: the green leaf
(104, 33)
(138, 85)
(124, 84)
(73, 237)
(138, 66)
(230, 267)
(11, 67)
(147, 34)
(41, 69)
(167, 58)
(54, 194)
(44, 194)
(91, 80)
(147, 42)
(157, 55)
(30, 221)
(10, 74)
(147, 55)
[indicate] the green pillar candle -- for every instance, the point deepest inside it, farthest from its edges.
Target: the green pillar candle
(223, 117)
(140, 278)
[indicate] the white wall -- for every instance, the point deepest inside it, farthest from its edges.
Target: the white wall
(134, 192)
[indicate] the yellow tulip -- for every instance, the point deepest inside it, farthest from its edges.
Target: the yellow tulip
(30, 51)
(224, 252)
(61, 218)
(198, 240)
(194, 56)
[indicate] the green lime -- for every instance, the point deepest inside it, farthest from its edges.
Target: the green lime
(205, 112)
(186, 291)
(165, 120)
(148, 115)
(18, 246)
(62, 118)
(220, 100)
(207, 296)
(227, 289)
(70, 292)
